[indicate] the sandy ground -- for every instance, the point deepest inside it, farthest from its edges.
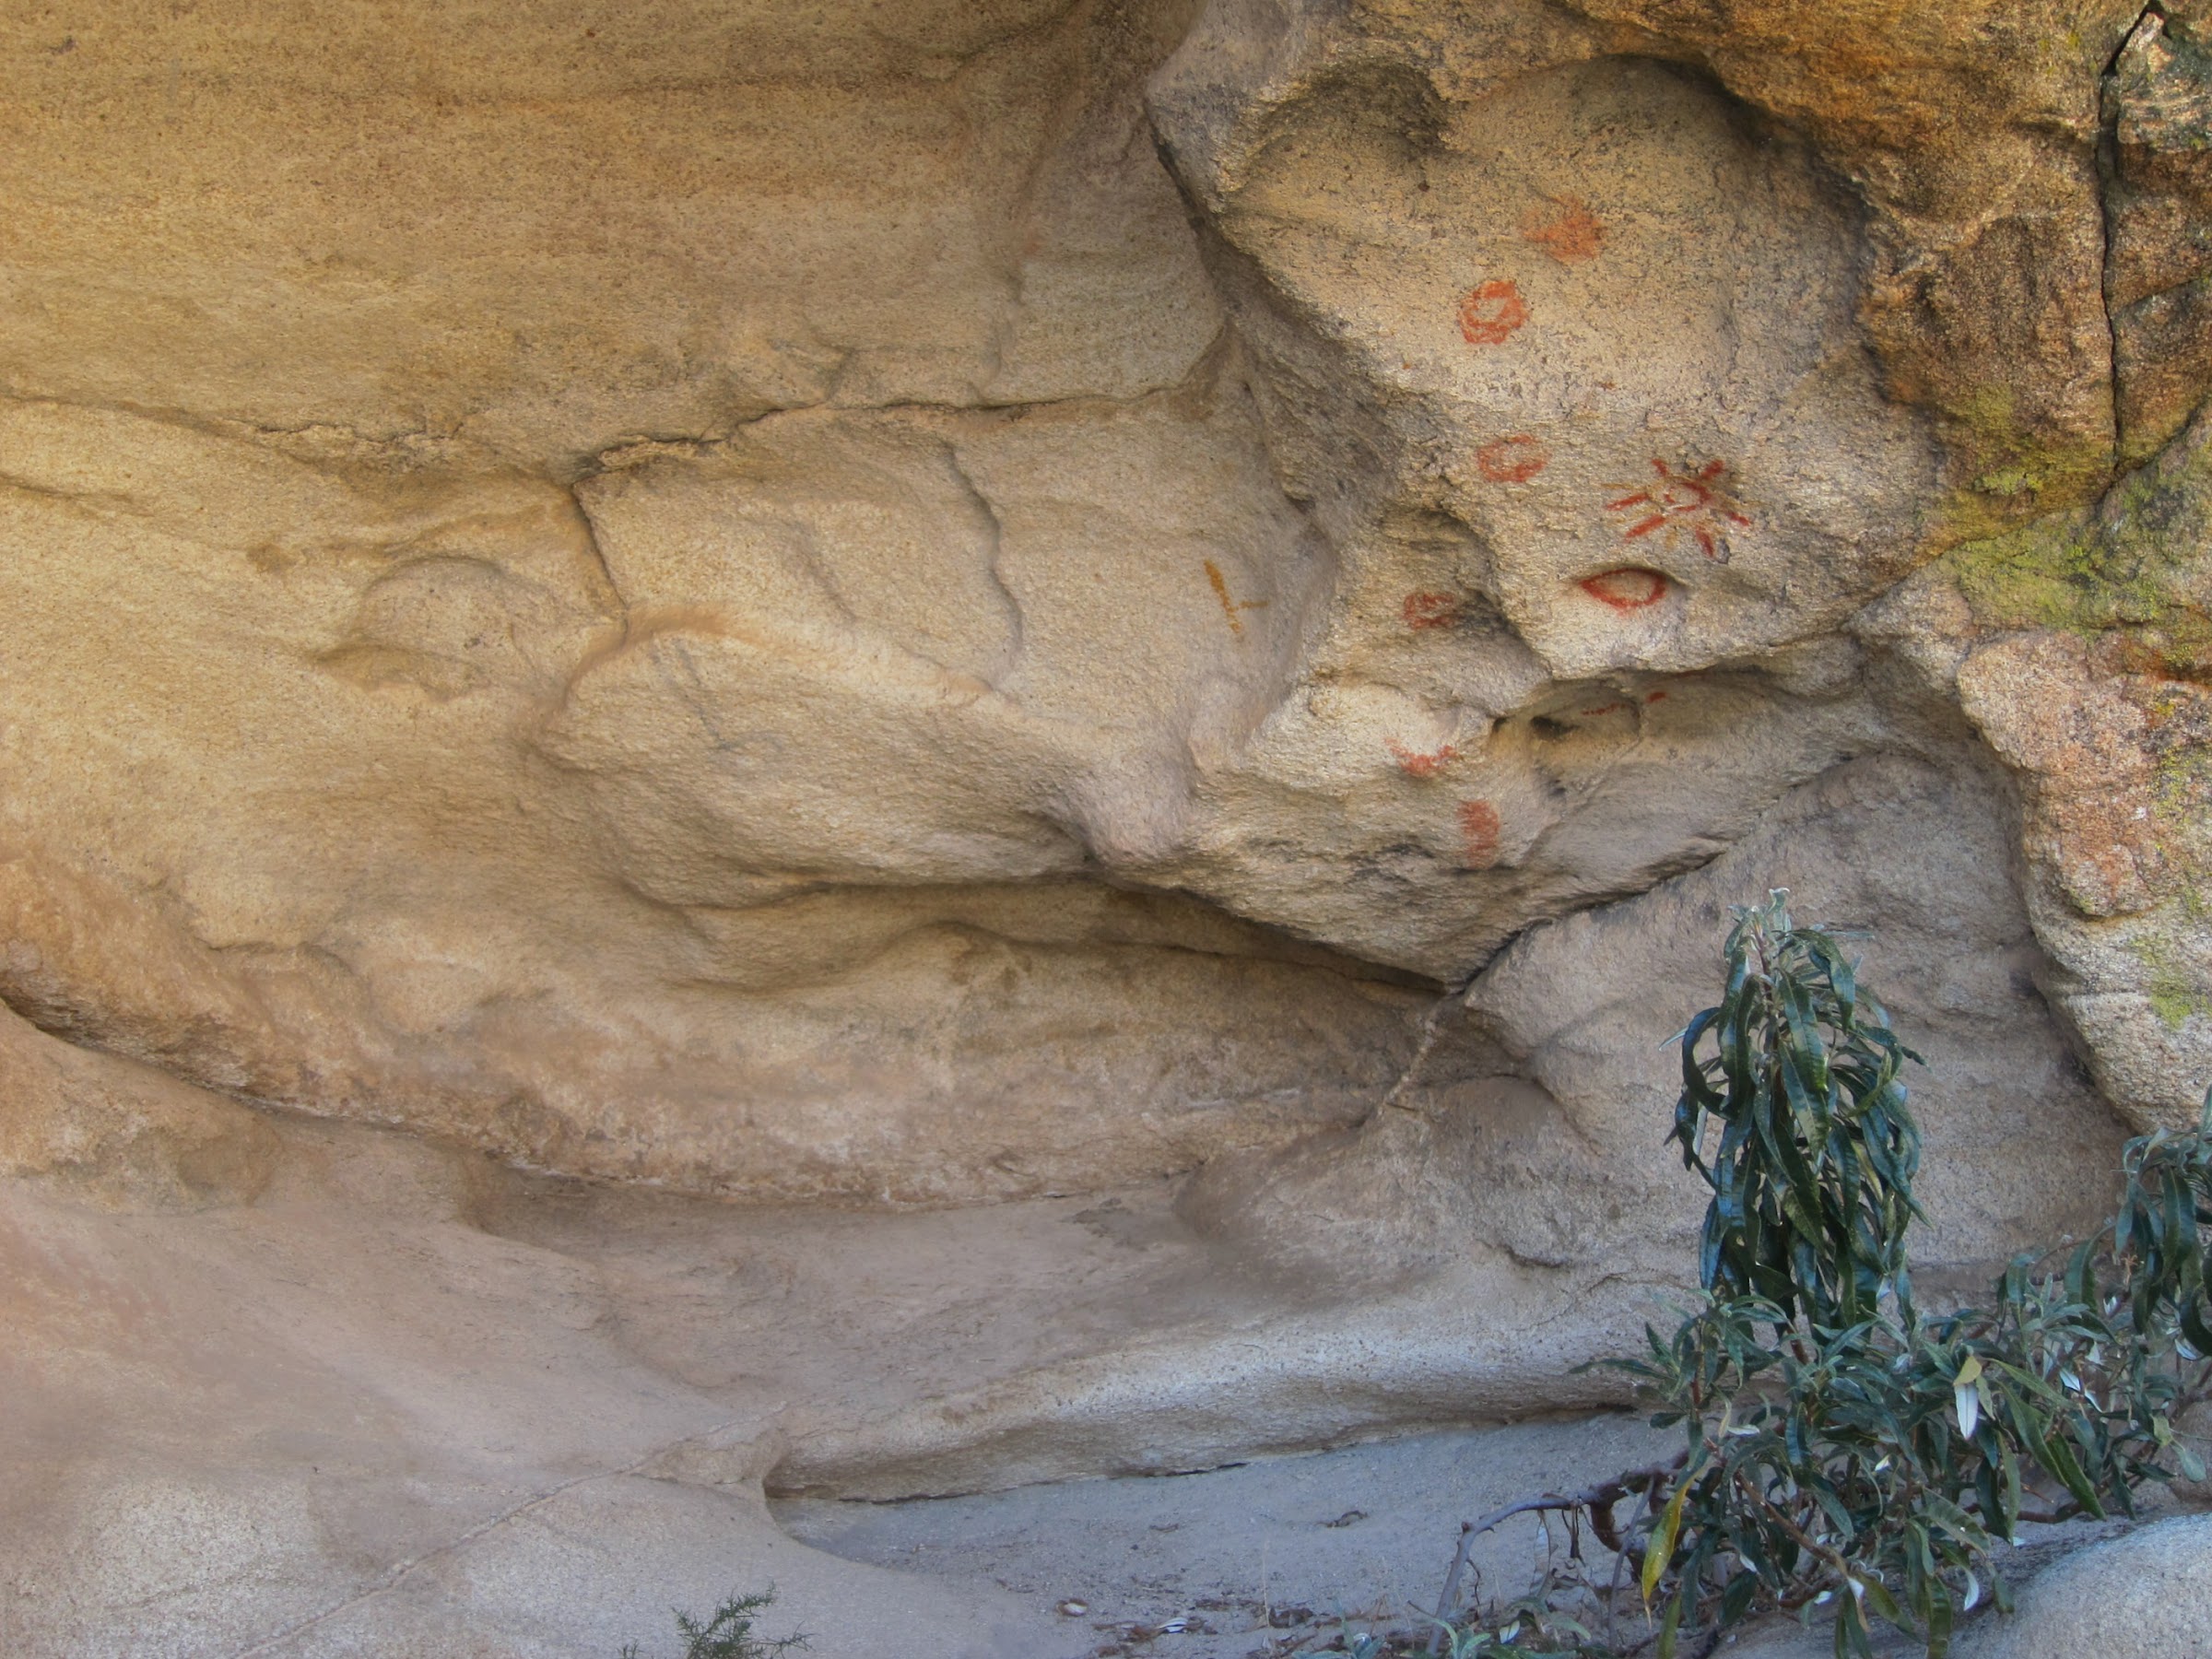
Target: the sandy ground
(1267, 1558)
(1284, 1556)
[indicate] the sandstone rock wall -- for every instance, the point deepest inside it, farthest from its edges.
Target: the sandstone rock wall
(947, 600)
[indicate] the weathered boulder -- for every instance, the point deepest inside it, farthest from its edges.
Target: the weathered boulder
(1561, 329)
(2077, 647)
(2138, 1596)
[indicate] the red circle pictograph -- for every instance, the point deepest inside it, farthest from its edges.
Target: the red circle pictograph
(1627, 590)
(1491, 312)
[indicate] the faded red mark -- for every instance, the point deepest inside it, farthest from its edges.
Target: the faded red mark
(1611, 707)
(1626, 590)
(1656, 697)
(1513, 460)
(1229, 608)
(1431, 610)
(1691, 502)
(1417, 765)
(1572, 236)
(1491, 312)
(1480, 828)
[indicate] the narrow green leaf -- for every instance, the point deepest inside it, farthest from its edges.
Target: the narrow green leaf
(2196, 1328)
(2058, 1457)
(1736, 1600)
(1671, 1625)
(1662, 1547)
(1939, 1616)
(1877, 1596)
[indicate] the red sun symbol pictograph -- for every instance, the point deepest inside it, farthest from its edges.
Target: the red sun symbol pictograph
(1490, 312)
(1684, 503)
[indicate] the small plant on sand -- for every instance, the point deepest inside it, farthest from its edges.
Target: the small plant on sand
(1845, 1450)
(729, 1633)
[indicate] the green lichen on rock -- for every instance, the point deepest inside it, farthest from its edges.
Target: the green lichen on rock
(2181, 782)
(2173, 999)
(2139, 562)
(2174, 984)
(2053, 573)
(2014, 476)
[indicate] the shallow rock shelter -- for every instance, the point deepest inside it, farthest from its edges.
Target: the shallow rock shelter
(757, 755)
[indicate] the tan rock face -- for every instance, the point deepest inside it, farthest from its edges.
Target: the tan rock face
(119, 1132)
(396, 726)
(1187, 611)
(2081, 660)
(458, 233)
(2159, 101)
(970, 601)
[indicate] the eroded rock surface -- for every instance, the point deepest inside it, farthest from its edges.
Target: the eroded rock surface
(872, 634)
(943, 602)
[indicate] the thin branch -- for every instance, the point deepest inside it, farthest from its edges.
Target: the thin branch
(1620, 1560)
(1605, 1494)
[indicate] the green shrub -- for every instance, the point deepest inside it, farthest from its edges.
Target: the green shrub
(729, 1633)
(1843, 1449)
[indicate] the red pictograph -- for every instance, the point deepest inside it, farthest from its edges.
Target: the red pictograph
(1431, 610)
(1572, 235)
(1415, 764)
(1626, 590)
(1480, 828)
(1692, 503)
(1491, 312)
(1513, 460)
(1229, 608)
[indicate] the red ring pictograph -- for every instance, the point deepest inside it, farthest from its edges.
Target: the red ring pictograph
(1626, 590)
(1491, 312)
